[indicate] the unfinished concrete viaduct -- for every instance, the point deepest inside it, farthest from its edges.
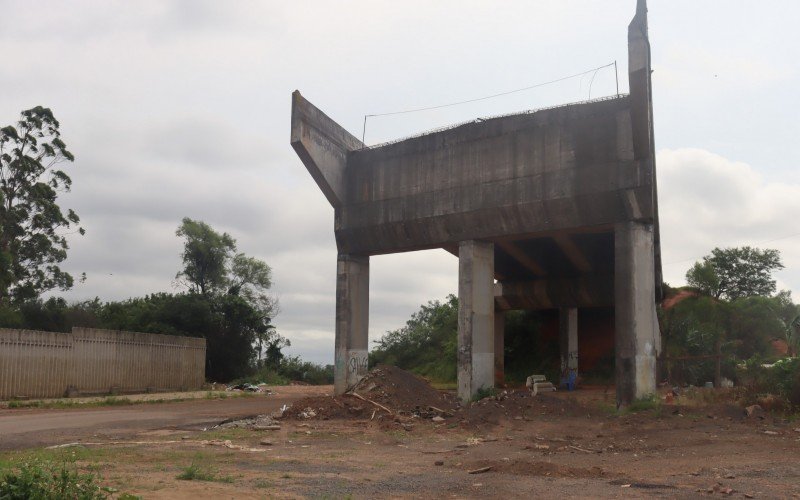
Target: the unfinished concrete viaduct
(552, 209)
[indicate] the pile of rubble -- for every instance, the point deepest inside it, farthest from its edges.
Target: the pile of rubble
(387, 392)
(256, 422)
(247, 387)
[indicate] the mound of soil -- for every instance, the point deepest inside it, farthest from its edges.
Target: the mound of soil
(521, 405)
(387, 391)
(404, 392)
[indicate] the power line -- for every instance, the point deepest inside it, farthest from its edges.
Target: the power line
(428, 108)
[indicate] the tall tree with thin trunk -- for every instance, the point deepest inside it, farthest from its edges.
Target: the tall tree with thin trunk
(33, 228)
(205, 257)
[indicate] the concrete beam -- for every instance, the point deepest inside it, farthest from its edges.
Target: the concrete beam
(573, 253)
(636, 335)
(639, 80)
(594, 290)
(475, 318)
(568, 339)
(322, 145)
(352, 321)
(520, 256)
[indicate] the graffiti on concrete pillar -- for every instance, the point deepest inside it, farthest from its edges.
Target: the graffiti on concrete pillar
(357, 363)
(569, 363)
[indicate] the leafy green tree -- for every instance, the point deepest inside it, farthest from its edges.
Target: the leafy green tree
(32, 226)
(732, 273)
(426, 345)
(788, 314)
(205, 257)
(213, 270)
(212, 266)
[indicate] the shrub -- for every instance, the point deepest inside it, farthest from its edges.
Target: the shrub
(194, 472)
(782, 379)
(45, 481)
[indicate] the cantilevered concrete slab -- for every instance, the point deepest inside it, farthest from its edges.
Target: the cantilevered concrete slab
(559, 206)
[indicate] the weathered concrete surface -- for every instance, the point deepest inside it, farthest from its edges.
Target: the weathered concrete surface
(35, 364)
(636, 333)
(548, 189)
(475, 318)
(568, 337)
(322, 145)
(554, 169)
(499, 348)
(352, 321)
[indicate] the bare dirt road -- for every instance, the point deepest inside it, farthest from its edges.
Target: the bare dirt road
(514, 445)
(22, 428)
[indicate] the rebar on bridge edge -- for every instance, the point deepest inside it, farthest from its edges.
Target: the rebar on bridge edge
(415, 110)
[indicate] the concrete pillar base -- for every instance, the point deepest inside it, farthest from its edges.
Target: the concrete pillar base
(636, 333)
(568, 336)
(476, 338)
(352, 321)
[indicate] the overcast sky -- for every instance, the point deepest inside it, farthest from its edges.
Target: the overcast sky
(181, 108)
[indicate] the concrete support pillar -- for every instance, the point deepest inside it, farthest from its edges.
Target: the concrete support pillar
(475, 317)
(352, 320)
(568, 336)
(499, 348)
(636, 334)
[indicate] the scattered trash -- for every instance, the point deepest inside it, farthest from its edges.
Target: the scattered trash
(247, 387)
(754, 411)
(257, 422)
(581, 449)
(308, 413)
(438, 462)
(227, 444)
(480, 471)
(437, 419)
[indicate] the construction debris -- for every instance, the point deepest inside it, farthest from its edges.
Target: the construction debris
(386, 393)
(247, 387)
(256, 422)
(539, 383)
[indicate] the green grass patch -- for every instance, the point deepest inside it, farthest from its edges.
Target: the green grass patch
(644, 404)
(195, 472)
(484, 392)
(444, 386)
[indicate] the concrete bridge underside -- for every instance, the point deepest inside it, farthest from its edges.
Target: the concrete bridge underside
(553, 209)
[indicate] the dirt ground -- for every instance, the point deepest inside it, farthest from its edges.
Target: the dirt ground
(518, 445)
(22, 428)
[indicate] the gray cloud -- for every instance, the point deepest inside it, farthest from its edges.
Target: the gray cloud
(181, 108)
(707, 200)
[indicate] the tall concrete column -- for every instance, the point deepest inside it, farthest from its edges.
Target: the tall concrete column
(475, 317)
(636, 334)
(568, 336)
(352, 320)
(499, 348)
